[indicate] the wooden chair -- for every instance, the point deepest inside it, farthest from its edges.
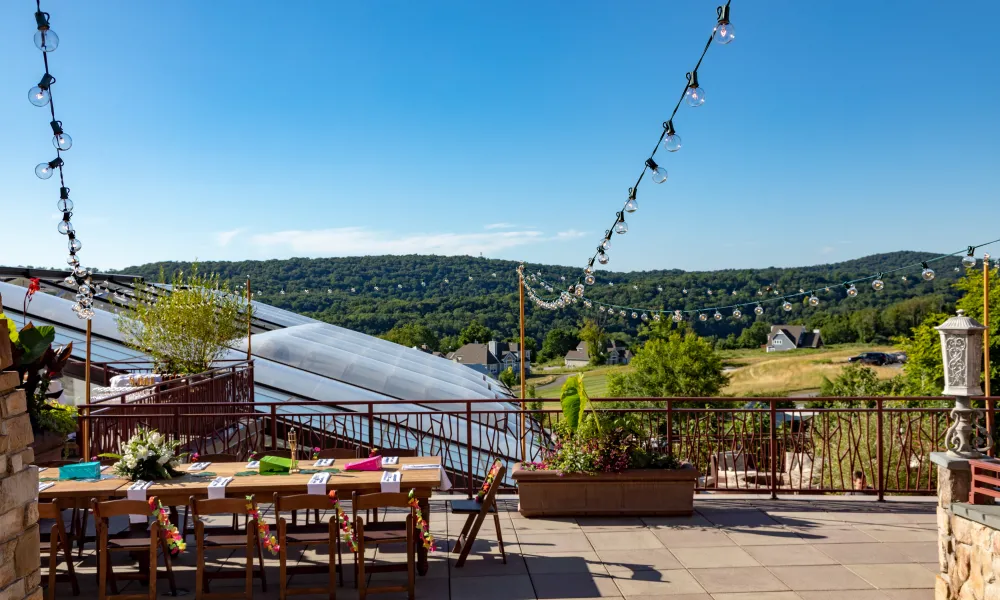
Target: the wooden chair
(226, 540)
(138, 539)
(337, 453)
(386, 532)
(477, 514)
(56, 542)
(307, 535)
(80, 511)
(400, 452)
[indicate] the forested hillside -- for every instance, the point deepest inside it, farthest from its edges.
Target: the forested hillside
(446, 294)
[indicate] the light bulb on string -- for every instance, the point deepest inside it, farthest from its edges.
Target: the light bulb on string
(878, 285)
(589, 279)
(717, 316)
(46, 40)
(578, 290)
(621, 313)
(724, 31)
(927, 273)
(39, 95)
(678, 317)
(631, 206)
(644, 317)
(64, 227)
(969, 260)
(787, 306)
(70, 280)
(606, 243)
(702, 317)
(851, 290)
(635, 315)
(694, 95)
(758, 310)
(737, 314)
(658, 173)
(602, 257)
(60, 139)
(813, 300)
(621, 228)
(588, 303)
(671, 141)
(46, 169)
(74, 245)
(64, 204)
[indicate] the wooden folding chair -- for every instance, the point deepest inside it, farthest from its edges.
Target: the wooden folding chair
(139, 538)
(308, 535)
(56, 542)
(80, 511)
(386, 532)
(477, 512)
(226, 540)
(215, 458)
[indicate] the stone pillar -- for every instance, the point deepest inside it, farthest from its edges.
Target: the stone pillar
(954, 483)
(20, 577)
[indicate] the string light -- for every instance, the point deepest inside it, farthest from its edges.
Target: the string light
(851, 290)
(878, 285)
(694, 95)
(927, 273)
(969, 261)
(40, 95)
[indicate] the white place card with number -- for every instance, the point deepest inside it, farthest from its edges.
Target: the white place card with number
(324, 462)
(199, 466)
(217, 489)
(253, 464)
(390, 460)
(390, 481)
(317, 483)
(44, 486)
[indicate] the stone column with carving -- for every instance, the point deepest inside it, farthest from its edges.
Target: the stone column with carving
(20, 577)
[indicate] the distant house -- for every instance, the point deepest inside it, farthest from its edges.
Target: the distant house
(790, 337)
(618, 354)
(492, 358)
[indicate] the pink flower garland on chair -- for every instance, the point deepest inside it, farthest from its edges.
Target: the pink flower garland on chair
(175, 541)
(263, 531)
(350, 537)
(425, 535)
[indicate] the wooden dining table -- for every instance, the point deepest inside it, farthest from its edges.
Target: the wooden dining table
(178, 491)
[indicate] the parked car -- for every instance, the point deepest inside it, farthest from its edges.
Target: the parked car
(871, 358)
(899, 357)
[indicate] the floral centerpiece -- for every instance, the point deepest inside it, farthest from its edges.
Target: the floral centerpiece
(147, 456)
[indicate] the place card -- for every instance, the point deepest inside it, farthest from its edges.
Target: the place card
(44, 486)
(253, 464)
(420, 467)
(137, 491)
(390, 481)
(217, 489)
(40, 469)
(324, 462)
(390, 460)
(317, 484)
(199, 466)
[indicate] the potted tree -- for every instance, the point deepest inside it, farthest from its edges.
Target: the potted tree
(603, 464)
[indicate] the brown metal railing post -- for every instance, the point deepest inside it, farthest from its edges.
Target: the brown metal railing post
(774, 449)
(879, 455)
(371, 425)
(468, 442)
(670, 427)
(274, 426)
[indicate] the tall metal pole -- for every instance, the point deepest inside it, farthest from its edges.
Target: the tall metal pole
(523, 350)
(986, 346)
(249, 318)
(85, 430)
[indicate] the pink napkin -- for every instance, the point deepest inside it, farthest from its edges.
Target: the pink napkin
(369, 464)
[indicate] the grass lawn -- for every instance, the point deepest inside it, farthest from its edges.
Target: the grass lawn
(750, 371)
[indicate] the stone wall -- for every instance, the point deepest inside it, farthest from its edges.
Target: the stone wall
(968, 549)
(19, 560)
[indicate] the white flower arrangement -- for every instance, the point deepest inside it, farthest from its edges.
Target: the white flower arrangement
(147, 456)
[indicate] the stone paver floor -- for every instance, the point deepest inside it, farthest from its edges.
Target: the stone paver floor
(796, 548)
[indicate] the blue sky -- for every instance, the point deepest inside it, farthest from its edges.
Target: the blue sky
(245, 130)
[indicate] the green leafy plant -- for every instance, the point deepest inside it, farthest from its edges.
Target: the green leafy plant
(57, 418)
(186, 330)
(37, 364)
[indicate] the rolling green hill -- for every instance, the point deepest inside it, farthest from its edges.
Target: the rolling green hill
(414, 289)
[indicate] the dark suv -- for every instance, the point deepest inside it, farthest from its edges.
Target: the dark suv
(871, 358)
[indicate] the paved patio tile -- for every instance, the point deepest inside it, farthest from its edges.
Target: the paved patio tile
(705, 558)
(671, 597)
(825, 577)
(844, 534)
(744, 518)
(739, 579)
(842, 595)
(895, 576)
(574, 585)
(497, 587)
(633, 540)
(532, 525)
(758, 596)
(898, 533)
(553, 541)
(567, 562)
(656, 584)
(763, 536)
(692, 537)
(794, 555)
(622, 563)
(487, 565)
(876, 553)
(922, 594)
(589, 524)
(694, 520)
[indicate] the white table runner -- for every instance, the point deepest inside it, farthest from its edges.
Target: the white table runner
(137, 491)
(217, 489)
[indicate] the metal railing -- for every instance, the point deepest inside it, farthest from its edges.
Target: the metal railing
(868, 446)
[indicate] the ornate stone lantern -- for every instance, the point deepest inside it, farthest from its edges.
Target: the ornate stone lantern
(962, 351)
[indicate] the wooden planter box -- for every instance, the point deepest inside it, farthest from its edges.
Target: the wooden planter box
(639, 492)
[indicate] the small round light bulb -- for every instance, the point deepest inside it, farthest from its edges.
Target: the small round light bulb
(927, 273)
(672, 142)
(878, 285)
(852, 291)
(589, 279)
(703, 317)
(969, 262)
(758, 310)
(787, 306)
(659, 175)
(737, 314)
(725, 33)
(717, 316)
(694, 96)
(603, 258)
(621, 228)
(813, 300)
(46, 40)
(44, 171)
(631, 206)
(38, 96)
(64, 227)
